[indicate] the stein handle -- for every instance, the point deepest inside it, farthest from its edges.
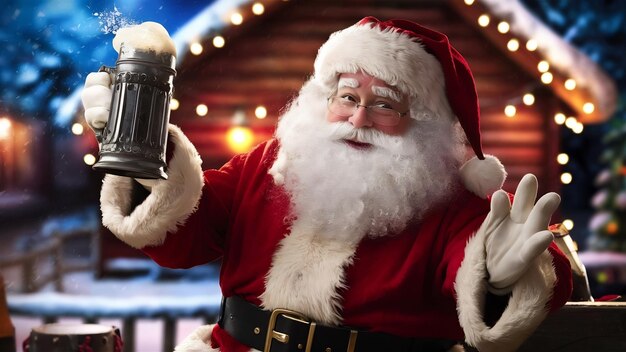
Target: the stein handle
(112, 72)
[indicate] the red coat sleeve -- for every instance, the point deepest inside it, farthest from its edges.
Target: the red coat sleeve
(563, 286)
(201, 238)
(463, 220)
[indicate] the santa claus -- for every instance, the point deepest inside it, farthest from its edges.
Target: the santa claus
(360, 226)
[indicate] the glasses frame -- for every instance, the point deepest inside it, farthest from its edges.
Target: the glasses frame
(366, 107)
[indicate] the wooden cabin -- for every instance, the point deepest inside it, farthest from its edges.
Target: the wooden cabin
(267, 58)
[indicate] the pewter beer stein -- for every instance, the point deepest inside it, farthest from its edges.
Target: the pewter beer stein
(133, 142)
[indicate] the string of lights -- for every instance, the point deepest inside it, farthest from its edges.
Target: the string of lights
(546, 76)
(239, 136)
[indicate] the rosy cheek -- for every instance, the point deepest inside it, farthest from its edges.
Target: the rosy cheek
(330, 117)
(394, 130)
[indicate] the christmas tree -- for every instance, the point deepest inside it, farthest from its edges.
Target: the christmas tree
(608, 225)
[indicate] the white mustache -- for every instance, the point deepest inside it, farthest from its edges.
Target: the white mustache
(345, 130)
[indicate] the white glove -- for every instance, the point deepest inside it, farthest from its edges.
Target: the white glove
(516, 235)
(96, 96)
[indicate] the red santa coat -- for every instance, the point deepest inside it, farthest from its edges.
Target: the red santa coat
(402, 284)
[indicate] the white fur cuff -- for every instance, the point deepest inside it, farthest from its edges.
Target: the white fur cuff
(527, 307)
(200, 341)
(197, 341)
(169, 204)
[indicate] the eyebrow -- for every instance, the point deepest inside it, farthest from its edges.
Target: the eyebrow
(347, 82)
(386, 92)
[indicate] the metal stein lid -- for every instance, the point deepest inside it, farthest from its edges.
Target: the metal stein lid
(131, 55)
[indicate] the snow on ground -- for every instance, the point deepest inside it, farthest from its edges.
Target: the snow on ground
(181, 291)
(149, 287)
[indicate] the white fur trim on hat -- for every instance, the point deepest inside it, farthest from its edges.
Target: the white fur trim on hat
(395, 58)
(483, 177)
(169, 204)
(527, 307)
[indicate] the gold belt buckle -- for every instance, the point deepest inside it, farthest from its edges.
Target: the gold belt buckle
(282, 337)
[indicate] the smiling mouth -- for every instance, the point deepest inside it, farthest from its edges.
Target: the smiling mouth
(357, 145)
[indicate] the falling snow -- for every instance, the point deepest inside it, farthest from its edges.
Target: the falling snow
(111, 21)
(36, 56)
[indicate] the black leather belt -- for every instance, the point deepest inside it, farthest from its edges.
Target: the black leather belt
(282, 330)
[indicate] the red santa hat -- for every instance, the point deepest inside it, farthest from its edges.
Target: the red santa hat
(421, 63)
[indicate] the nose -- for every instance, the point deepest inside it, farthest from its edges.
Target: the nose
(359, 118)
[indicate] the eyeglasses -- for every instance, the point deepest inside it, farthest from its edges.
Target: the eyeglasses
(378, 114)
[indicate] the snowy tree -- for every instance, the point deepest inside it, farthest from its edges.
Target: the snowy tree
(44, 48)
(609, 222)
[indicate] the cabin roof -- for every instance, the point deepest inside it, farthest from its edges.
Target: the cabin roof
(566, 62)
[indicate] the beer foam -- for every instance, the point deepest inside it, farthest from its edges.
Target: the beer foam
(148, 36)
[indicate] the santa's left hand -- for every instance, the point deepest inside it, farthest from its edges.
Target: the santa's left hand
(517, 234)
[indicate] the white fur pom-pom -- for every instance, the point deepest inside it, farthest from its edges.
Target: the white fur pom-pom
(483, 177)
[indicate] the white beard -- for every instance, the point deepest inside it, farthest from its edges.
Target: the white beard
(339, 192)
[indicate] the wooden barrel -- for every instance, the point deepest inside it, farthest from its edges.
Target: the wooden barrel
(73, 338)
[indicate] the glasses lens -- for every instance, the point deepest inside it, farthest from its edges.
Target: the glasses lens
(345, 108)
(384, 116)
(341, 107)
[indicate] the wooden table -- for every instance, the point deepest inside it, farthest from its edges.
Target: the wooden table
(582, 326)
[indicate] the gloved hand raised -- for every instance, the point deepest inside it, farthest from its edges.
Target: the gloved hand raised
(96, 97)
(516, 234)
